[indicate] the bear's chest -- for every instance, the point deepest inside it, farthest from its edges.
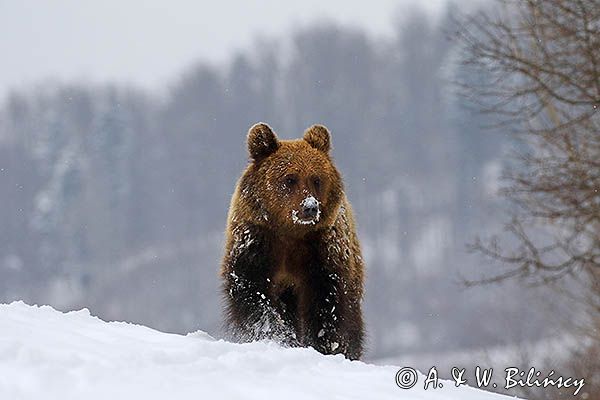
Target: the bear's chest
(291, 262)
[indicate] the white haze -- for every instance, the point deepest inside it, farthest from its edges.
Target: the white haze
(146, 43)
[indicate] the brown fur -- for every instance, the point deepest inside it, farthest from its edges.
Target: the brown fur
(307, 277)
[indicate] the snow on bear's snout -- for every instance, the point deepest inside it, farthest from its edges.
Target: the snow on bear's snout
(309, 212)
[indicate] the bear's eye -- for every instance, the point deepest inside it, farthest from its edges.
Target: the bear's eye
(290, 180)
(316, 182)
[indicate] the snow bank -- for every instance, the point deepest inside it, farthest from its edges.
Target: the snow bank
(46, 354)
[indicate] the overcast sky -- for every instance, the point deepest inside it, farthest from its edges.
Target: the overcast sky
(149, 42)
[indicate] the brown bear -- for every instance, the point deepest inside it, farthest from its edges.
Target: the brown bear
(292, 270)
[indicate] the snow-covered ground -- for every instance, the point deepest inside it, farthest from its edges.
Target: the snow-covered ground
(46, 354)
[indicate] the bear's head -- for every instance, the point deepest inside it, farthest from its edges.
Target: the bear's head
(293, 184)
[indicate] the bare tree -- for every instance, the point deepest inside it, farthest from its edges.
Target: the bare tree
(543, 60)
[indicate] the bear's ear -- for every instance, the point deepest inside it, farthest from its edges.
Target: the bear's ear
(261, 141)
(318, 137)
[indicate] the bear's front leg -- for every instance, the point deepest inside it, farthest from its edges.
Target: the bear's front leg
(334, 321)
(334, 318)
(251, 312)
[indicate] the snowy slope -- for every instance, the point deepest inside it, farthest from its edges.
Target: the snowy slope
(46, 354)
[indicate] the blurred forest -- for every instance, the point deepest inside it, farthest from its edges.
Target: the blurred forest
(115, 200)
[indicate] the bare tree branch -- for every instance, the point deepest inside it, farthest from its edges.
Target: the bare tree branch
(543, 60)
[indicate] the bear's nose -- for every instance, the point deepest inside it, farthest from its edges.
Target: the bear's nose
(310, 211)
(310, 207)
